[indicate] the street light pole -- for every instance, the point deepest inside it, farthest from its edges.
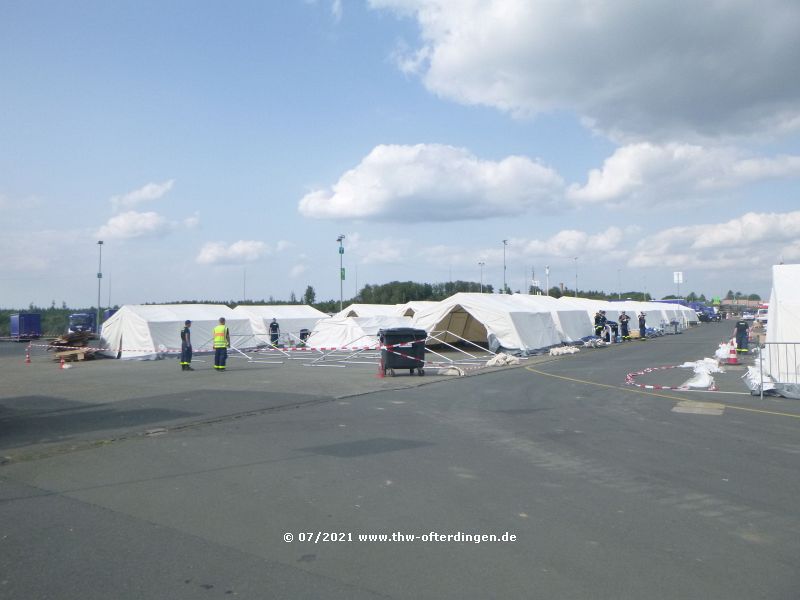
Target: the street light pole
(99, 280)
(481, 264)
(547, 278)
(575, 258)
(340, 239)
(505, 284)
(619, 285)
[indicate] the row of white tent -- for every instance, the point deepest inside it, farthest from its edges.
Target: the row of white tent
(516, 323)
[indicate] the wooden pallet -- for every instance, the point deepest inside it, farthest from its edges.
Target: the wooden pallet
(74, 355)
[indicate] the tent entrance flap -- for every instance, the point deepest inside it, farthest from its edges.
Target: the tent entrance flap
(465, 327)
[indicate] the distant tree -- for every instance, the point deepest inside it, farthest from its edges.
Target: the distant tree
(702, 298)
(691, 297)
(729, 295)
(292, 298)
(309, 297)
(555, 292)
(754, 297)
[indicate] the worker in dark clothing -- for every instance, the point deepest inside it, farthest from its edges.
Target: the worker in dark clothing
(642, 325)
(274, 332)
(599, 322)
(186, 347)
(623, 326)
(742, 333)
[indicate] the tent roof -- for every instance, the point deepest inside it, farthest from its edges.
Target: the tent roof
(179, 312)
(280, 311)
(368, 310)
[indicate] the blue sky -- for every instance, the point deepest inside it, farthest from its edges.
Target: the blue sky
(218, 150)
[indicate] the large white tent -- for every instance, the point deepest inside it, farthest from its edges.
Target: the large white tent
(657, 314)
(147, 331)
(348, 332)
(500, 321)
(783, 316)
(572, 323)
(780, 357)
(291, 319)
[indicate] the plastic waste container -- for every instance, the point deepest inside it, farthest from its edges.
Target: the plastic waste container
(407, 349)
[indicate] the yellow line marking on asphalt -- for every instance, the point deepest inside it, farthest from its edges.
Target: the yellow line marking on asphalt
(646, 393)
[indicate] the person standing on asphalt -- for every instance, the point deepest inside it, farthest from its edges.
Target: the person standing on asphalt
(742, 333)
(222, 341)
(186, 347)
(642, 325)
(623, 326)
(274, 332)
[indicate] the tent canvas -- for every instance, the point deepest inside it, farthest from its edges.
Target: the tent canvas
(783, 316)
(409, 309)
(146, 331)
(368, 310)
(291, 319)
(496, 320)
(572, 323)
(347, 332)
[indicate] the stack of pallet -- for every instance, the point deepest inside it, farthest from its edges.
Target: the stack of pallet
(75, 346)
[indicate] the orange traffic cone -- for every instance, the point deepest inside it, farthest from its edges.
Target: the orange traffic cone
(381, 371)
(732, 358)
(62, 362)
(28, 355)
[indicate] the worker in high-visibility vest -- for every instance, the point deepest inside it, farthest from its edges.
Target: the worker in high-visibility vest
(222, 341)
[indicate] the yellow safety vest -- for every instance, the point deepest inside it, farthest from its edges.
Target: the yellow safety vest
(220, 337)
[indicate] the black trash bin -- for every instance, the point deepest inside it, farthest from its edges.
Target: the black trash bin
(407, 349)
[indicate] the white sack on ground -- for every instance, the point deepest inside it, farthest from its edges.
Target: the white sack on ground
(501, 360)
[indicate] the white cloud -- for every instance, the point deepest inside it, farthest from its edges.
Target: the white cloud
(753, 238)
(629, 68)
(243, 251)
(146, 193)
(671, 172)
(434, 182)
(132, 224)
(336, 10)
(297, 270)
(192, 222)
(284, 245)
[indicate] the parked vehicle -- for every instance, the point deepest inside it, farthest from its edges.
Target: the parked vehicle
(82, 322)
(761, 315)
(26, 326)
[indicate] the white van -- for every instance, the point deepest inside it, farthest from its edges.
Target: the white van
(761, 315)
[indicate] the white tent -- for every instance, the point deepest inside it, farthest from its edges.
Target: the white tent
(145, 331)
(409, 309)
(349, 332)
(657, 314)
(291, 319)
(572, 323)
(499, 320)
(783, 317)
(368, 310)
(781, 355)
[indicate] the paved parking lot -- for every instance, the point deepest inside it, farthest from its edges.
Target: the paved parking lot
(135, 480)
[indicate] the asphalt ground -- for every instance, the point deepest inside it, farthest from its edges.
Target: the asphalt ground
(611, 491)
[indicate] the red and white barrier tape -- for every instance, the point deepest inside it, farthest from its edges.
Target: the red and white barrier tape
(630, 379)
(178, 350)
